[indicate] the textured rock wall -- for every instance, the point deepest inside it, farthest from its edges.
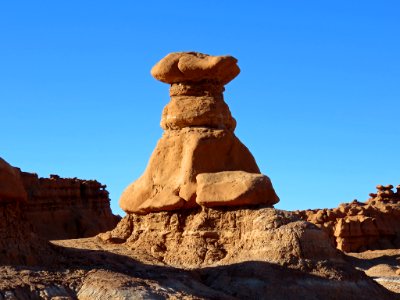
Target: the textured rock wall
(241, 253)
(66, 208)
(18, 243)
(358, 226)
(202, 237)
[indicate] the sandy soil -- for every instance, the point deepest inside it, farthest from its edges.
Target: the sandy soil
(382, 265)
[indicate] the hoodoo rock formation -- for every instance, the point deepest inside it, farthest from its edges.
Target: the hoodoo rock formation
(358, 226)
(202, 204)
(18, 243)
(199, 226)
(67, 208)
(198, 160)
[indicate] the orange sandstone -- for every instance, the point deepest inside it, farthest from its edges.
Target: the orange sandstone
(198, 142)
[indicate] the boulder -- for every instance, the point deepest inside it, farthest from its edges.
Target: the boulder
(234, 188)
(193, 66)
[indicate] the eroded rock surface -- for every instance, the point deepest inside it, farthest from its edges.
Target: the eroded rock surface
(202, 237)
(233, 188)
(198, 138)
(67, 208)
(11, 187)
(358, 226)
(18, 243)
(244, 253)
(193, 66)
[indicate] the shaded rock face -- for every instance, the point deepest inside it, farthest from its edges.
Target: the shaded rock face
(357, 226)
(244, 253)
(66, 208)
(204, 237)
(18, 243)
(11, 187)
(198, 138)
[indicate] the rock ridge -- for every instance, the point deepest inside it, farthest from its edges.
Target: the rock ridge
(360, 226)
(66, 208)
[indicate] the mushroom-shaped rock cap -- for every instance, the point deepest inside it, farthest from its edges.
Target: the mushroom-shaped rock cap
(193, 66)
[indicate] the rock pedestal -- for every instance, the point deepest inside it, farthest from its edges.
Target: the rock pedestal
(198, 144)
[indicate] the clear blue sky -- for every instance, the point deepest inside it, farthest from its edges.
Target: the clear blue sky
(317, 101)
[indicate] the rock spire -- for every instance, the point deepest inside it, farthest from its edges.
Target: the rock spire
(198, 160)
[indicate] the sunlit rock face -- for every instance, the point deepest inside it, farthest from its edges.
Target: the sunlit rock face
(360, 226)
(67, 208)
(198, 143)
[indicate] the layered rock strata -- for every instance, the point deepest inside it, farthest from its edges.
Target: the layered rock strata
(358, 226)
(198, 144)
(18, 243)
(66, 208)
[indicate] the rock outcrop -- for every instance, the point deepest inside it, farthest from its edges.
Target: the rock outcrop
(198, 144)
(204, 237)
(244, 253)
(18, 243)
(357, 226)
(203, 205)
(67, 208)
(11, 187)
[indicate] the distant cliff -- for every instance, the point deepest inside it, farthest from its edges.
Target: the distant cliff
(66, 208)
(358, 226)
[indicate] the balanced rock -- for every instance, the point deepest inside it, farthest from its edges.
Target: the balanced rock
(198, 141)
(232, 188)
(193, 66)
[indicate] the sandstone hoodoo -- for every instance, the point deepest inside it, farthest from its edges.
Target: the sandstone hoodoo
(198, 161)
(203, 205)
(199, 226)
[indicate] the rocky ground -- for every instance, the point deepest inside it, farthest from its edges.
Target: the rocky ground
(91, 269)
(131, 267)
(381, 265)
